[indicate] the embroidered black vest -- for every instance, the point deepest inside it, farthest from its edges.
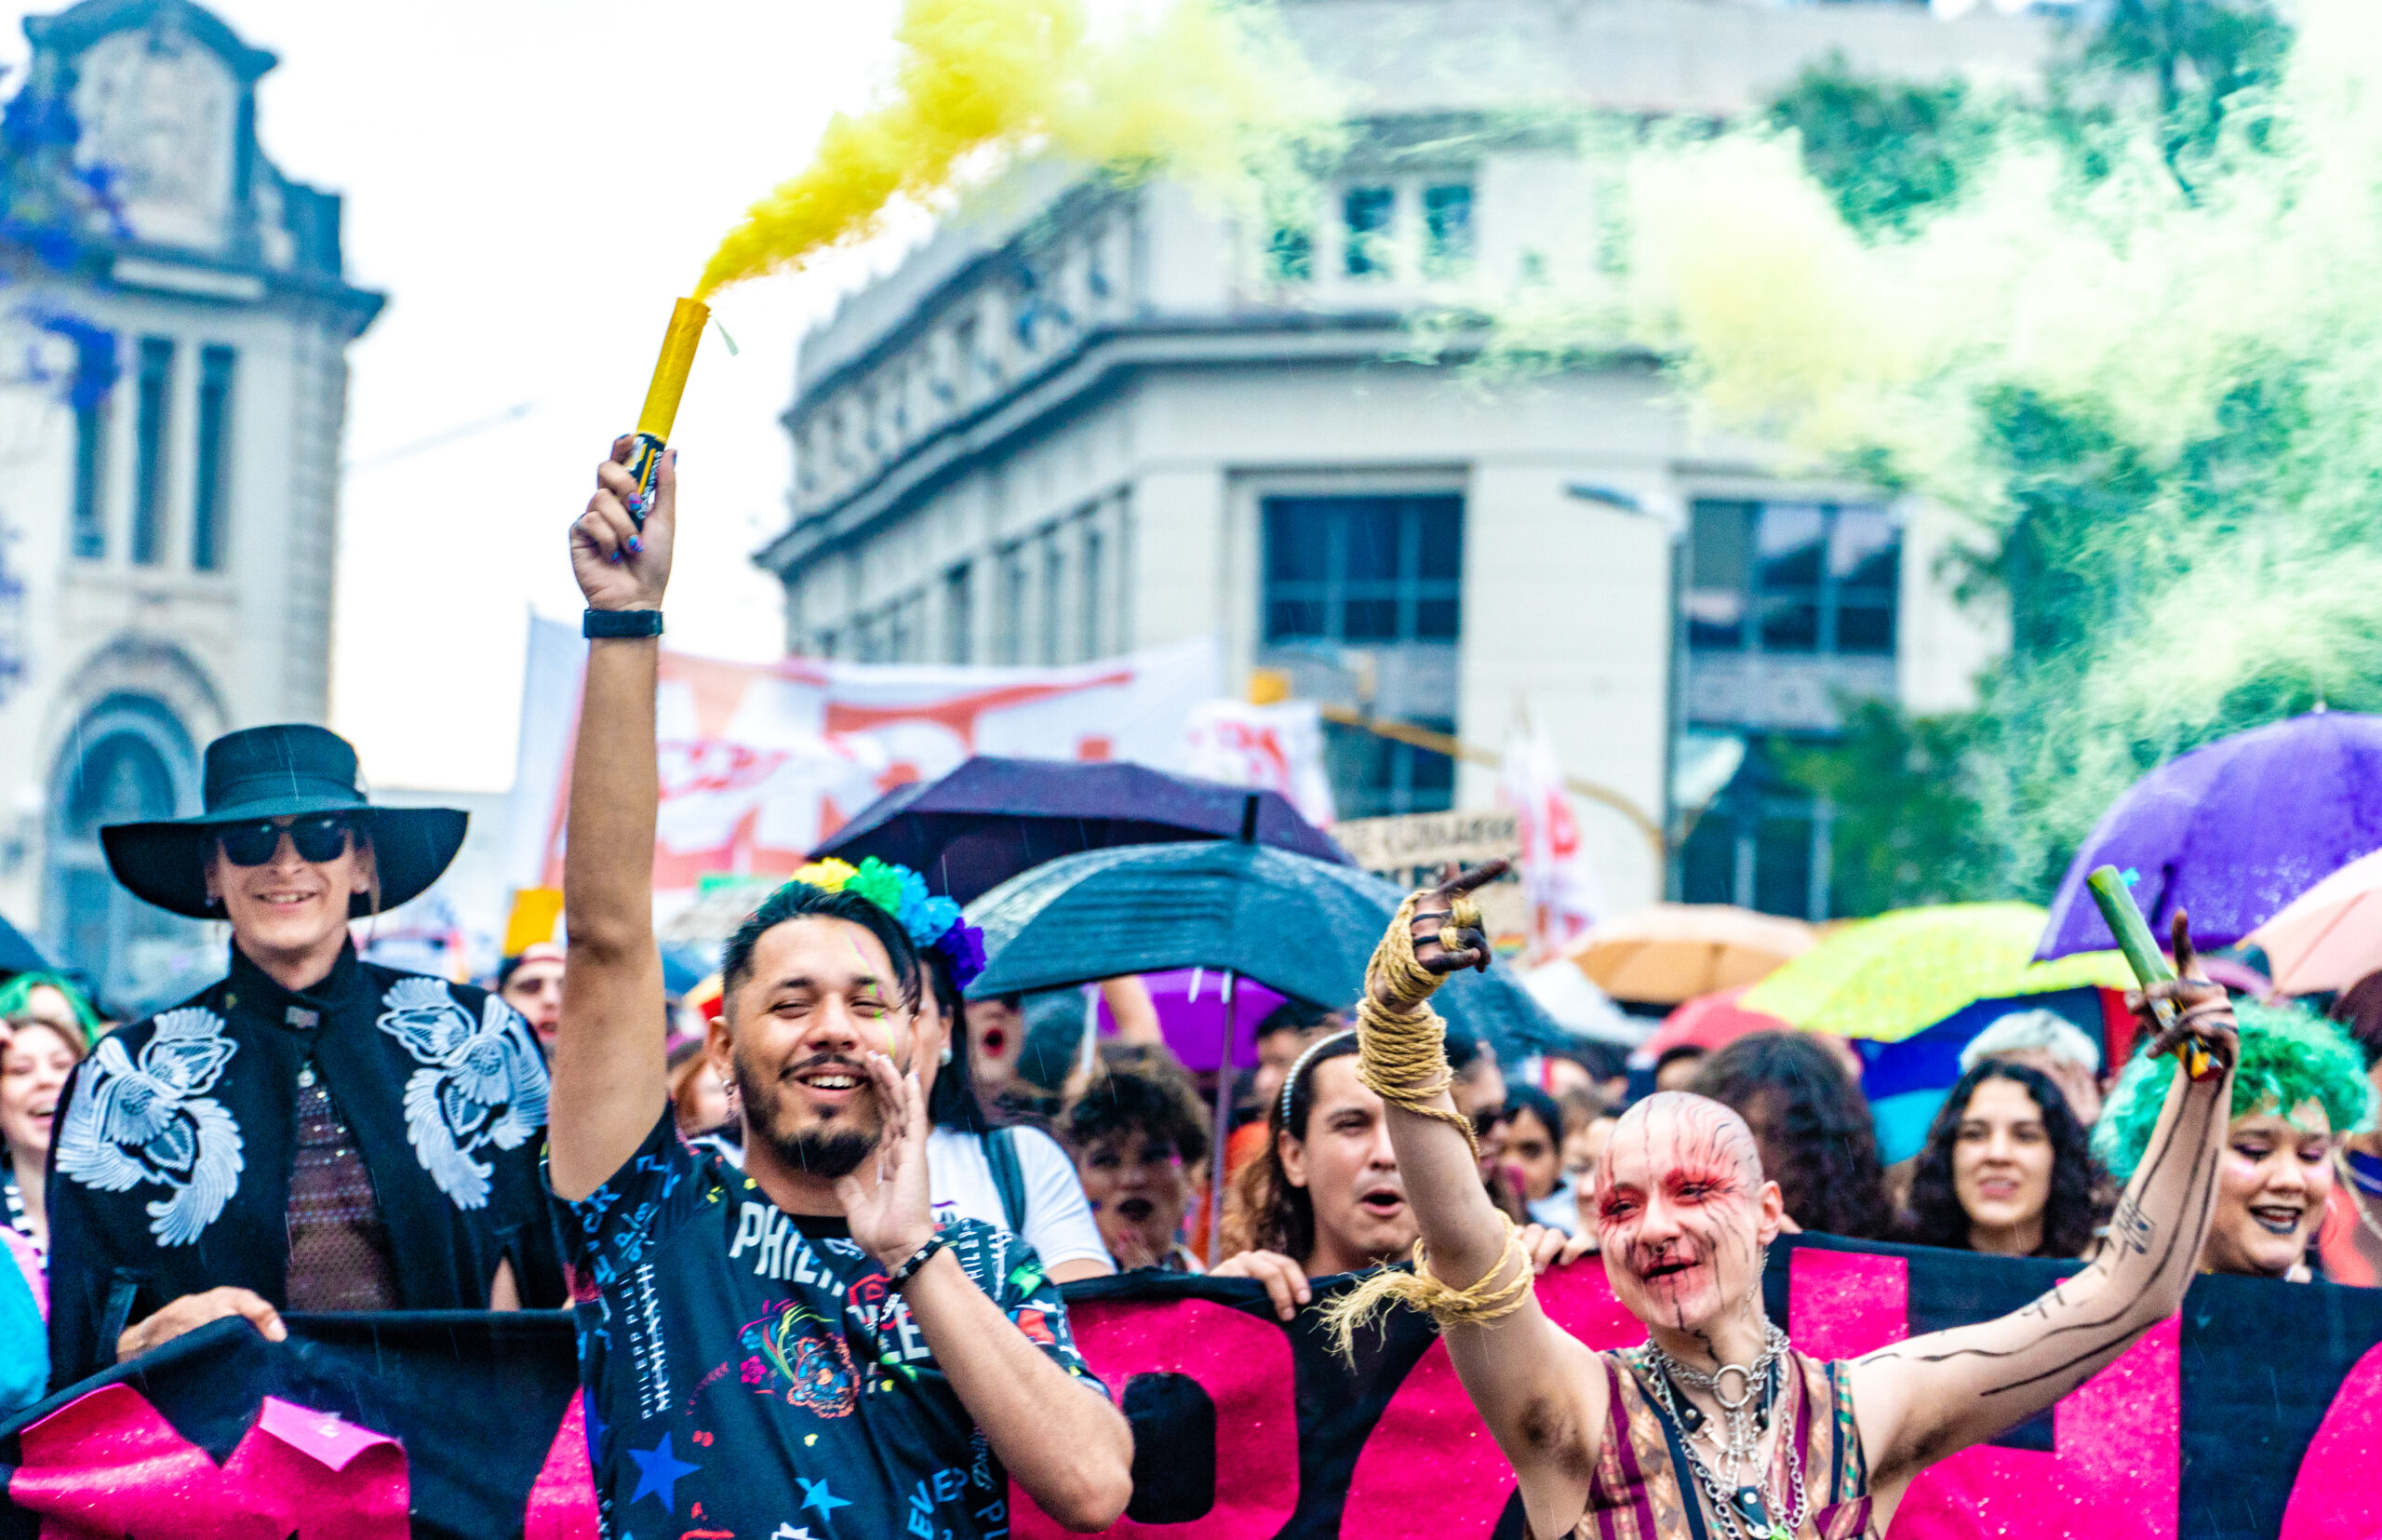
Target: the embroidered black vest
(170, 1162)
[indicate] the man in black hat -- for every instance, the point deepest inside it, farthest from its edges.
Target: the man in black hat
(312, 1132)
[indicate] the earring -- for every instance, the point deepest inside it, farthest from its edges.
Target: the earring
(945, 1057)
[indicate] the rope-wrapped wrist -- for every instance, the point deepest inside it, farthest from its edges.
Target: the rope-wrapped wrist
(1401, 1049)
(1485, 1301)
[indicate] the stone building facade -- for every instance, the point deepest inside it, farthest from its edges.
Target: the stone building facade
(170, 420)
(1084, 419)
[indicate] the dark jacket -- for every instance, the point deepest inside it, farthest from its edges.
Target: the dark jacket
(169, 1159)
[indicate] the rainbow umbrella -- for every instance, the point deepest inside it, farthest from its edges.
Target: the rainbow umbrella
(1906, 1081)
(1886, 978)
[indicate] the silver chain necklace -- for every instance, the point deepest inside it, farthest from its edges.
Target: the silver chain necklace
(1744, 1506)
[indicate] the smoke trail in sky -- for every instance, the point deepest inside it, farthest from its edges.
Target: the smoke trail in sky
(1206, 90)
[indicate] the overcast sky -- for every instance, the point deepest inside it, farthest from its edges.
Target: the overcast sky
(532, 182)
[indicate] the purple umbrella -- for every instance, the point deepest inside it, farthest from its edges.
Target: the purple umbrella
(972, 830)
(2232, 832)
(1190, 1003)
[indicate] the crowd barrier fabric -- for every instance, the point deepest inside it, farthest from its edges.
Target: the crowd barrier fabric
(2257, 1412)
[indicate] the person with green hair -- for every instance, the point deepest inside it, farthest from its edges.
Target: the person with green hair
(48, 998)
(2300, 1085)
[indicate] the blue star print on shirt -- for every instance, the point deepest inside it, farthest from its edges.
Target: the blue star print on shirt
(816, 1495)
(658, 1471)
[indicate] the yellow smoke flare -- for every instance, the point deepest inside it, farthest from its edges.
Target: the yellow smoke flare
(1207, 91)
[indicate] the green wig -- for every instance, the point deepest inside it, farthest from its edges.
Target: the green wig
(16, 998)
(2288, 1057)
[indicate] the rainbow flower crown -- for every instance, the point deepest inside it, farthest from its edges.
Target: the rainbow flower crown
(934, 923)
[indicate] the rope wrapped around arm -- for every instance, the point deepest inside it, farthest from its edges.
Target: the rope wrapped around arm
(1402, 1057)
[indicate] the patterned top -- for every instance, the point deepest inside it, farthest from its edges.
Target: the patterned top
(338, 1243)
(750, 1374)
(1643, 1491)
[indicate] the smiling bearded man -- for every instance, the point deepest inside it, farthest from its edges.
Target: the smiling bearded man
(1717, 1426)
(766, 1346)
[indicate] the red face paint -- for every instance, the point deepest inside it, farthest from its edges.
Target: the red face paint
(1678, 1210)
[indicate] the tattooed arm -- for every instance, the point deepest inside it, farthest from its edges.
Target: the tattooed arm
(1923, 1399)
(1541, 1392)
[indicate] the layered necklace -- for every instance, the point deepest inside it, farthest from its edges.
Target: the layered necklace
(1738, 1487)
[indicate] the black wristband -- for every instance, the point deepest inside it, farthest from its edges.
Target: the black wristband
(620, 622)
(917, 1259)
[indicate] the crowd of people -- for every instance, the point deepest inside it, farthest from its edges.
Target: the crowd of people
(316, 1133)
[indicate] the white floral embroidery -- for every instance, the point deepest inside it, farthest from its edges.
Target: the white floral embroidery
(484, 1082)
(153, 1122)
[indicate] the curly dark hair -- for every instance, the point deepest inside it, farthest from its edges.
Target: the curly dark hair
(1814, 1128)
(2078, 1184)
(1125, 1101)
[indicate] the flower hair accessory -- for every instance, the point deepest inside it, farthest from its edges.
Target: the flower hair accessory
(933, 922)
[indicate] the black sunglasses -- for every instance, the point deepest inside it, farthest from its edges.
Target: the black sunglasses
(322, 837)
(1488, 1118)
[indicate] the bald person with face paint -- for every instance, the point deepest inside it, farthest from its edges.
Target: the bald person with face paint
(1717, 1411)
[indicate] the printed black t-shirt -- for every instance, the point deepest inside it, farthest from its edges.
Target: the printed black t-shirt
(749, 1373)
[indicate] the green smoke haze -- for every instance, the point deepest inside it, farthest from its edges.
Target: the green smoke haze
(2137, 355)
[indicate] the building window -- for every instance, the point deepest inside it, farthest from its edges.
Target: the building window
(1363, 570)
(1447, 228)
(149, 446)
(91, 425)
(1374, 777)
(1366, 214)
(959, 615)
(1290, 256)
(1795, 578)
(1055, 576)
(1762, 843)
(129, 760)
(1095, 574)
(212, 510)
(1009, 632)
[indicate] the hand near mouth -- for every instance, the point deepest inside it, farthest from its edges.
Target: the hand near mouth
(892, 1215)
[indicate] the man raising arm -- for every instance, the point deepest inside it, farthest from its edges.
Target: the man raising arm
(765, 1348)
(1717, 1411)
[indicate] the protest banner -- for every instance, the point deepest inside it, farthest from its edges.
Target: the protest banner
(2254, 1413)
(760, 762)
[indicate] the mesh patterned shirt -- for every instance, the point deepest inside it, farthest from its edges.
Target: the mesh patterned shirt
(339, 1244)
(749, 1373)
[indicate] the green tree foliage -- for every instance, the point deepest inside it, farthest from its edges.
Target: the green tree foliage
(1884, 149)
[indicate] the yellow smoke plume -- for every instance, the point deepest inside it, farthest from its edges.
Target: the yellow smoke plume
(1206, 90)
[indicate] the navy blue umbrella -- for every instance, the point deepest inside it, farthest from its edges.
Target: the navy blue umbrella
(974, 829)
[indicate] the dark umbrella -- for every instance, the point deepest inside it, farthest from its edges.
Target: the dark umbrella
(2232, 832)
(976, 827)
(1297, 925)
(20, 956)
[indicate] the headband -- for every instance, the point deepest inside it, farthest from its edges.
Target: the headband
(934, 923)
(1298, 1068)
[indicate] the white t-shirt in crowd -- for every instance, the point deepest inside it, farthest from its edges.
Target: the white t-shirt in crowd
(1058, 1218)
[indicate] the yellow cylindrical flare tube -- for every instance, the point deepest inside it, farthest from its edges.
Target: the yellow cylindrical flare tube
(654, 423)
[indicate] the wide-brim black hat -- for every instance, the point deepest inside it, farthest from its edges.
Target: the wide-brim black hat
(291, 770)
